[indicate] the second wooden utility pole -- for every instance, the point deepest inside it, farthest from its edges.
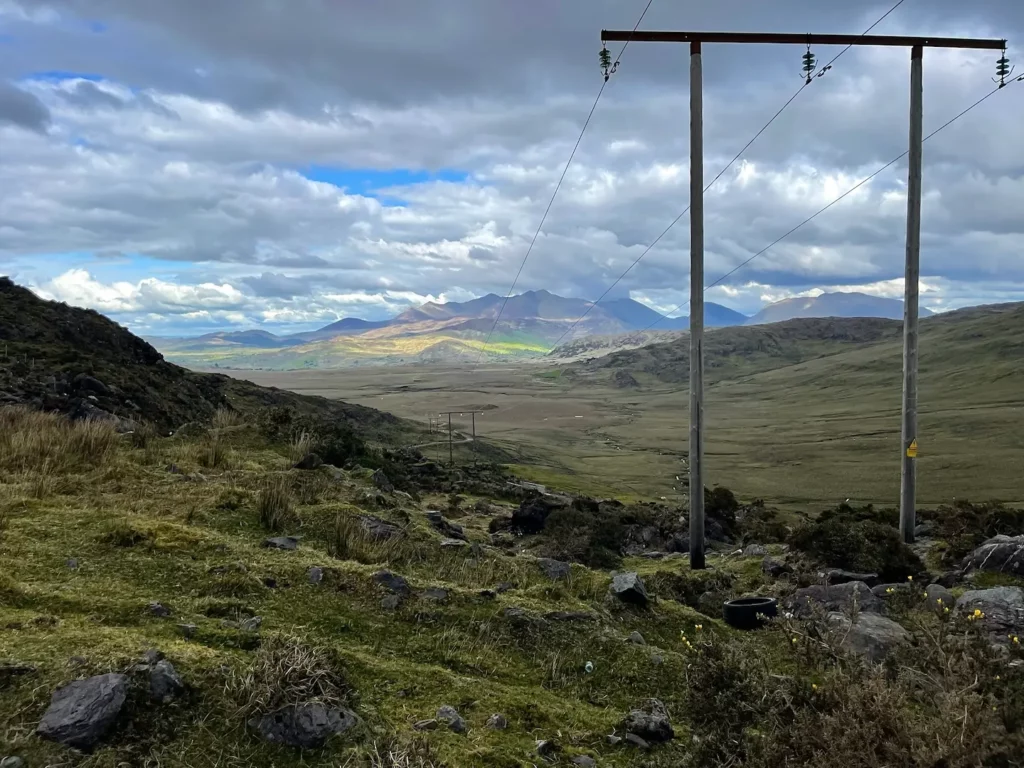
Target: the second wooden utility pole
(696, 458)
(908, 468)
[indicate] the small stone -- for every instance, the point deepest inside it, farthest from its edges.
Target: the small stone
(152, 656)
(450, 717)
(547, 748)
(636, 638)
(80, 713)
(637, 741)
(497, 722)
(392, 582)
(391, 602)
(174, 469)
(586, 761)
(281, 542)
(657, 659)
(504, 587)
(159, 610)
(12, 762)
(309, 461)
(445, 528)
(773, 568)
(164, 683)
(614, 740)
(755, 550)
(251, 624)
(437, 594)
(315, 574)
(871, 636)
(453, 543)
(555, 570)
(72, 563)
(629, 588)
(650, 722)
(425, 725)
(939, 597)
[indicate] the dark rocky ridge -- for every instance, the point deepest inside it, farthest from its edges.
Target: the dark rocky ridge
(60, 358)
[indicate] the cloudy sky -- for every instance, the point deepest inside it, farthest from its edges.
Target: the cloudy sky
(195, 165)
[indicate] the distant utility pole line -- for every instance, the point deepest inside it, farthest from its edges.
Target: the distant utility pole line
(913, 250)
(451, 450)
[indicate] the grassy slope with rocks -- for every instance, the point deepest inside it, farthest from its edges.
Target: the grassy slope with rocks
(111, 531)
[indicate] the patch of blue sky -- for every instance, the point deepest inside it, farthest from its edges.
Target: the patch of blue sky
(371, 182)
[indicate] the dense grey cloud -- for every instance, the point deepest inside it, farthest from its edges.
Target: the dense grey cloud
(183, 151)
(22, 109)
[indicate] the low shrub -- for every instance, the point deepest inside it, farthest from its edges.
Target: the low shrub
(593, 537)
(857, 541)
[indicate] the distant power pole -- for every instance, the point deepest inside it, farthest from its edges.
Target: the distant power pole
(451, 443)
(909, 436)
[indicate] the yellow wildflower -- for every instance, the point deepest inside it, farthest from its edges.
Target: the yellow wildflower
(794, 641)
(910, 578)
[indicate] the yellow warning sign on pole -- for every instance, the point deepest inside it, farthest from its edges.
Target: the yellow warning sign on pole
(912, 449)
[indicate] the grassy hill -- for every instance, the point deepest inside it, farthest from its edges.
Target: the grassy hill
(809, 410)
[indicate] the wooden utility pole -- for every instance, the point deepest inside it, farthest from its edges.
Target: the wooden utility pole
(909, 431)
(696, 308)
(908, 470)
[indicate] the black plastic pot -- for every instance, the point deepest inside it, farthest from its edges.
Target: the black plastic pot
(747, 612)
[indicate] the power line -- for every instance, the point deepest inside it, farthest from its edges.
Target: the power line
(561, 178)
(818, 73)
(820, 211)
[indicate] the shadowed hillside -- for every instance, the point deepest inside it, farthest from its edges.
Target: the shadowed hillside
(76, 361)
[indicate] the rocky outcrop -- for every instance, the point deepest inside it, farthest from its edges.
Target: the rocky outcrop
(1000, 553)
(304, 726)
(871, 636)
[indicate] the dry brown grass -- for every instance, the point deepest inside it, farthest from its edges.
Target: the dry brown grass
(225, 418)
(214, 454)
(275, 504)
(286, 671)
(301, 444)
(30, 440)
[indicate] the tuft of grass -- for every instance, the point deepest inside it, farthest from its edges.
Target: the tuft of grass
(214, 454)
(275, 504)
(302, 443)
(346, 537)
(121, 533)
(142, 435)
(225, 418)
(30, 439)
(286, 670)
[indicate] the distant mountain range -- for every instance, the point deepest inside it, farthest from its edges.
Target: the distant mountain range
(850, 304)
(529, 324)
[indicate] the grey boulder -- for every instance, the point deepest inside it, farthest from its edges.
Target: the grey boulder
(164, 682)
(1000, 553)
(80, 713)
(555, 570)
(392, 582)
(629, 588)
(871, 636)
(305, 726)
(1002, 610)
(450, 717)
(650, 722)
(837, 597)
